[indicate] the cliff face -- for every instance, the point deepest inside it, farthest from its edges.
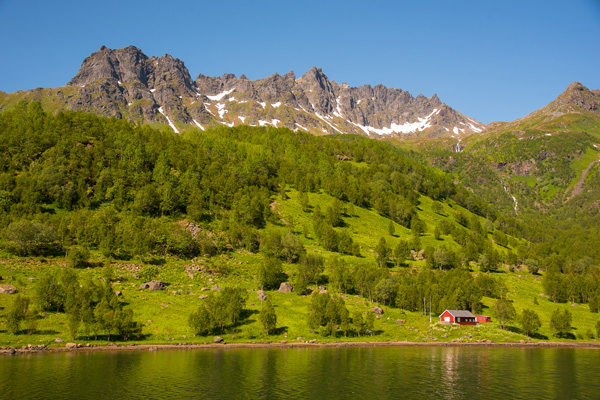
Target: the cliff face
(125, 83)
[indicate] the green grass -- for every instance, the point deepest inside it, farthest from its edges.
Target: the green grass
(164, 314)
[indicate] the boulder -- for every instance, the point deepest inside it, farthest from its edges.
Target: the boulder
(218, 339)
(203, 297)
(8, 289)
(286, 287)
(262, 296)
(71, 346)
(58, 340)
(377, 310)
(153, 285)
(118, 293)
(217, 288)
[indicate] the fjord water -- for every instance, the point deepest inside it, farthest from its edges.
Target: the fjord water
(306, 373)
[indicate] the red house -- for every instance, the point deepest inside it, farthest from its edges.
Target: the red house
(483, 318)
(461, 317)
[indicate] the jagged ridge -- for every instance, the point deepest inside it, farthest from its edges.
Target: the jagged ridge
(125, 83)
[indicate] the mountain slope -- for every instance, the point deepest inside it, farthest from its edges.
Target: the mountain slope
(125, 83)
(547, 159)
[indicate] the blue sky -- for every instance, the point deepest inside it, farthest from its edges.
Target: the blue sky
(489, 60)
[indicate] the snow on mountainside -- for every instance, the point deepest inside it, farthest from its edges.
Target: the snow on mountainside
(125, 83)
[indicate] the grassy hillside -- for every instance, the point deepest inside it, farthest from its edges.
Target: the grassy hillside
(92, 206)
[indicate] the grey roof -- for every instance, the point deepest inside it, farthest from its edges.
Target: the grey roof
(460, 313)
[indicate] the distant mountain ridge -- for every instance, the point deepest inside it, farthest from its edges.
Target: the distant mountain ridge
(125, 83)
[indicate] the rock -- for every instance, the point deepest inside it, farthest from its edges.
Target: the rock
(377, 310)
(58, 340)
(204, 296)
(204, 289)
(153, 285)
(400, 321)
(12, 350)
(71, 346)
(217, 288)
(8, 289)
(286, 287)
(262, 296)
(118, 293)
(218, 339)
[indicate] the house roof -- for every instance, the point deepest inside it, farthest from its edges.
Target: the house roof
(460, 313)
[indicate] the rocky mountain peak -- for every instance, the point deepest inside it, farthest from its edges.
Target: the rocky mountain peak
(125, 83)
(580, 96)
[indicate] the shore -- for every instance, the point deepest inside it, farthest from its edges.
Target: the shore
(285, 344)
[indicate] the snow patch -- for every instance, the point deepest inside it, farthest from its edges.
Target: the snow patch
(198, 124)
(455, 130)
(231, 99)
(119, 82)
(275, 105)
(222, 110)
(548, 134)
(152, 90)
(328, 123)
(129, 104)
(300, 126)
(263, 104)
(407, 127)
(208, 109)
(220, 95)
(160, 110)
(242, 118)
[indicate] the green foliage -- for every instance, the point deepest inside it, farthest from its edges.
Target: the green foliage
(530, 321)
(560, 322)
(218, 311)
(326, 312)
(505, 311)
(270, 273)
(268, 317)
(17, 312)
(78, 257)
(29, 238)
(148, 273)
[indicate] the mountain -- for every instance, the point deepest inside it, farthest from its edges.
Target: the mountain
(548, 159)
(125, 83)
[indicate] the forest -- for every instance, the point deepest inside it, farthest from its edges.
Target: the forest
(79, 187)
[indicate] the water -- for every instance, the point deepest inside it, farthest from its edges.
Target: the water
(306, 373)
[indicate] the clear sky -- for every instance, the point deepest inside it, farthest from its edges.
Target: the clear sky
(490, 60)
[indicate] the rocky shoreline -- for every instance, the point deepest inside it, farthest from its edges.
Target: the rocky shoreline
(72, 347)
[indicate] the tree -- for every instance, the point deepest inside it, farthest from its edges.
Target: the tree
(442, 257)
(16, 313)
(437, 208)
(29, 237)
(358, 322)
(78, 257)
(560, 322)
(268, 317)
(533, 266)
(308, 271)
(201, 321)
(505, 311)
(530, 322)
(270, 273)
(382, 251)
(391, 229)
(401, 252)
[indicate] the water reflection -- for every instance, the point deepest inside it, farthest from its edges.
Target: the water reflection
(320, 373)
